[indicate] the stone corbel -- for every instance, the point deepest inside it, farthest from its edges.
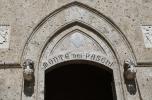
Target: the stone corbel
(129, 70)
(130, 76)
(28, 75)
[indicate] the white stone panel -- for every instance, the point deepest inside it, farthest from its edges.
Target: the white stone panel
(4, 36)
(147, 33)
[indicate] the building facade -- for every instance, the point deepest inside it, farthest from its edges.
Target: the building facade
(49, 47)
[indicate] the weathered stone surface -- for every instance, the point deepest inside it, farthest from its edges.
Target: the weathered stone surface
(144, 79)
(10, 84)
(32, 31)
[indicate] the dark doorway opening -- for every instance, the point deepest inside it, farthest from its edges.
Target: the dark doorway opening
(78, 82)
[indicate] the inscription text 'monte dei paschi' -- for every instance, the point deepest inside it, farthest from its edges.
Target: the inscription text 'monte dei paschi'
(77, 56)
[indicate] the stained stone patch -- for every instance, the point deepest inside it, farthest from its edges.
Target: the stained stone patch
(77, 39)
(147, 33)
(4, 36)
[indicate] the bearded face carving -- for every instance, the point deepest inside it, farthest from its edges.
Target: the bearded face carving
(28, 70)
(129, 70)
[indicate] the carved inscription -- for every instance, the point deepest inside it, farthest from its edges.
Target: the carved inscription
(77, 56)
(4, 36)
(147, 33)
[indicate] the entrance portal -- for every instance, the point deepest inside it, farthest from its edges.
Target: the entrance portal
(78, 82)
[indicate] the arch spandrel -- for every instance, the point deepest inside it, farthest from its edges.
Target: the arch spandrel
(64, 19)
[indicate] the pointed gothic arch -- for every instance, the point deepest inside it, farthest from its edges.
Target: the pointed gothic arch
(61, 22)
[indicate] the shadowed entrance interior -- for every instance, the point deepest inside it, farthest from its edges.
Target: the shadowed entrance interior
(78, 82)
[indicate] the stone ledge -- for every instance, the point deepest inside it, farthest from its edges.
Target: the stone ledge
(144, 64)
(10, 65)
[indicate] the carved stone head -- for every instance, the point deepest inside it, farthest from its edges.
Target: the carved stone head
(129, 70)
(28, 70)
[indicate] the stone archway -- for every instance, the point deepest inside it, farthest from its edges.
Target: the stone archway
(53, 41)
(79, 80)
(64, 48)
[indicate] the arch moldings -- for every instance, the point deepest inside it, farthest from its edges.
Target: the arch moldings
(65, 18)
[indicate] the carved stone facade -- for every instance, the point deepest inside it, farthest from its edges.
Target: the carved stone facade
(101, 33)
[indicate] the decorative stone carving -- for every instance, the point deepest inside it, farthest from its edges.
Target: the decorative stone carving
(4, 36)
(147, 33)
(129, 70)
(28, 70)
(53, 33)
(130, 76)
(29, 79)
